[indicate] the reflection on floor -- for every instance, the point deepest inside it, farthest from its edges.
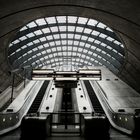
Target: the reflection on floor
(114, 135)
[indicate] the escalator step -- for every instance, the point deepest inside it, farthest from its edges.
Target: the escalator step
(94, 100)
(36, 103)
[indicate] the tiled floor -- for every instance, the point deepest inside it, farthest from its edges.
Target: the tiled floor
(114, 135)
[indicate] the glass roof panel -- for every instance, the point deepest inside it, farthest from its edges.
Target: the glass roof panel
(69, 40)
(41, 22)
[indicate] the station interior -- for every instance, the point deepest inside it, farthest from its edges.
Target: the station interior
(69, 70)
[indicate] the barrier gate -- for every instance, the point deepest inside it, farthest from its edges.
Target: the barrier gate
(66, 123)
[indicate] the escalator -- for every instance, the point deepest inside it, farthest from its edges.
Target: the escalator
(36, 103)
(32, 125)
(94, 100)
(98, 123)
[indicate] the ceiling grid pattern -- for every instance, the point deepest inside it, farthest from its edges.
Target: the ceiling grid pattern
(66, 40)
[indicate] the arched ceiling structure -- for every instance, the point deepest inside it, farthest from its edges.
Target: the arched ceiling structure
(123, 17)
(66, 40)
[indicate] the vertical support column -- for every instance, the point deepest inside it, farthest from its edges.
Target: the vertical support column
(24, 82)
(51, 119)
(80, 124)
(13, 81)
(24, 77)
(66, 107)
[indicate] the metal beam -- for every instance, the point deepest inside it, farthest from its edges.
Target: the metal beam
(108, 51)
(104, 31)
(96, 58)
(23, 51)
(116, 63)
(107, 42)
(85, 74)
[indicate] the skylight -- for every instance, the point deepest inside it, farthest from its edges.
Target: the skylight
(71, 40)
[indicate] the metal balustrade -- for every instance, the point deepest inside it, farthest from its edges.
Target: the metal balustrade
(11, 119)
(122, 121)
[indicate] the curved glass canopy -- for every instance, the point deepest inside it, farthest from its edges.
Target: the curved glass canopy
(66, 40)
